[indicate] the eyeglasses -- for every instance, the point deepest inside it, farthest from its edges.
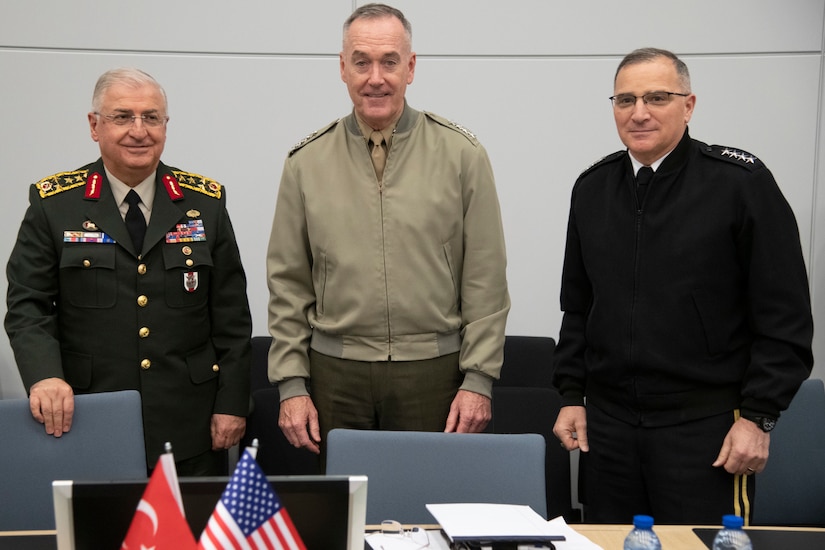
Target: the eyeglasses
(151, 120)
(651, 99)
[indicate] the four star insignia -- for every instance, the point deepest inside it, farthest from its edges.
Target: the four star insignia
(739, 155)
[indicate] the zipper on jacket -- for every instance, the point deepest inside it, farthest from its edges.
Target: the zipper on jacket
(637, 238)
(384, 257)
(384, 250)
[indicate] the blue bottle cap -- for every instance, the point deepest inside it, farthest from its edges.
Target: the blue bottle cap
(642, 522)
(731, 521)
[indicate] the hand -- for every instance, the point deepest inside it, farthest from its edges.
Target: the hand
(745, 449)
(470, 412)
(51, 401)
(571, 428)
(298, 419)
(227, 431)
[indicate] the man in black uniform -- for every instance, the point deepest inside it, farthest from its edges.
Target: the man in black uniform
(126, 275)
(687, 323)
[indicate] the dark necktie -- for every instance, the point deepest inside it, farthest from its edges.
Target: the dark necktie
(135, 222)
(643, 177)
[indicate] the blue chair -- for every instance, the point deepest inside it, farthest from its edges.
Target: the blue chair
(791, 489)
(105, 443)
(408, 470)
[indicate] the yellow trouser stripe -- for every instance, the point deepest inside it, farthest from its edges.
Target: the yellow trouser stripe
(741, 501)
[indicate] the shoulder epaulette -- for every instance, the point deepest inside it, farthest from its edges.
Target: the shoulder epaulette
(313, 136)
(198, 183)
(63, 181)
(453, 126)
(604, 160)
(733, 156)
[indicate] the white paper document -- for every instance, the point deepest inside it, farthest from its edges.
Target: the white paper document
(573, 539)
(476, 522)
(438, 541)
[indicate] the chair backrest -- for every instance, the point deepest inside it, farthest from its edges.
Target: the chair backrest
(534, 410)
(408, 470)
(528, 362)
(276, 455)
(258, 375)
(104, 443)
(791, 489)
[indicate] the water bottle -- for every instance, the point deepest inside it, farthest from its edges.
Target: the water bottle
(642, 536)
(731, 536)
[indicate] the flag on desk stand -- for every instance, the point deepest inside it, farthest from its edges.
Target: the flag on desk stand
(249, 513)
(159, 522)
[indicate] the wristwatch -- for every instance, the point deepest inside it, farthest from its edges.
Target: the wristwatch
(765, 423)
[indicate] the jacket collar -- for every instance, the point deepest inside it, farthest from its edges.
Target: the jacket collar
(676, 159)
(104, 212)
(405, 123)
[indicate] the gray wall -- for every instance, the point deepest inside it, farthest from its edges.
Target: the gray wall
(247, 79)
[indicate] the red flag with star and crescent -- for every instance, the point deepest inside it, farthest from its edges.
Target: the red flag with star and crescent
(159, 522)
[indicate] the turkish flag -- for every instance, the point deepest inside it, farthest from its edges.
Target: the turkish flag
(159, 522)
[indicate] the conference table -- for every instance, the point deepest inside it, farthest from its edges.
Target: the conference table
(609, 537)
(687, 537)
(672, 537)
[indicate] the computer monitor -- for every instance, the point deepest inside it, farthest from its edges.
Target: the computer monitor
(328, 511)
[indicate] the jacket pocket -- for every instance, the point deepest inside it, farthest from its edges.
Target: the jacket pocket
(448, 257)
(202, 364)
(712, 310)
(87, 275)
(319, 275)
(188, 267)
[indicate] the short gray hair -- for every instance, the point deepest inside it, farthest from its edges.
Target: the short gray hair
(645, 55)
(129, 77)
(377, 11)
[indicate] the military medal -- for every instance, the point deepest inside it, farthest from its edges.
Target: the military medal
(86, 237)
(189, 232)
(190, 281)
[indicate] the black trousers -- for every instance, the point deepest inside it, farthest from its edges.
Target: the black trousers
(664, 472)
(383, 395)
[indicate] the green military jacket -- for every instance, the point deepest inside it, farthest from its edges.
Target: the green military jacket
(171, 320)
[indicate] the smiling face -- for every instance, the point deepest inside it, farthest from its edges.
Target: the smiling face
(648, 131)
(377, 64)
(130, 152)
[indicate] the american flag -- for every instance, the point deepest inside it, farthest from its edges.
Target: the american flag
(249, 514)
